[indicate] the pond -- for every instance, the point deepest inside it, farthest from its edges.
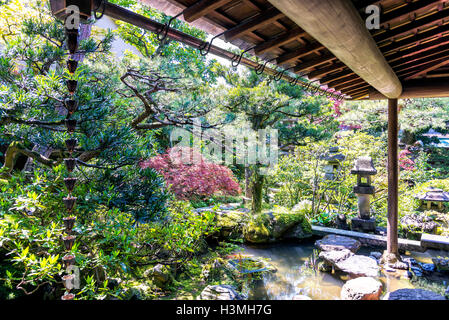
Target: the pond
(293, 277)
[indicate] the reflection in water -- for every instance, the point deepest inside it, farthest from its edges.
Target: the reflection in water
(294, 278)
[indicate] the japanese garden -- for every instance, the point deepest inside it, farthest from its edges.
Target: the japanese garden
(223, 150)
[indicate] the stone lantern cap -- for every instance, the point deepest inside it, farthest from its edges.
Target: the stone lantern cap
(433, 194)
(364, 166)
(333, 155)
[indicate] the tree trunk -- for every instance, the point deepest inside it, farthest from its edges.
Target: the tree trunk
(256, 190)
(247, 182)
(31, 163)
(14, 150)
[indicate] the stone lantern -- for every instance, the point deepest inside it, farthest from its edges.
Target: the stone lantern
(333, 165)
(364, 169)
(433, 199)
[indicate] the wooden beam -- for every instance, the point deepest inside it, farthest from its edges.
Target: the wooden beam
(421, 65)
(356, 90)
(404, 11)
(424, 71)
(253, 23)
(393, 174)
(340, 82)
(202, 8)
(414, 50)
(411, 26)
(279, 41)
(435, 52)
(335, 77)
(420, 88)
(362, 4)
(424, 36)
(352, 84)
(337, 25)
(359, 96)
(299, 53)
(314, 62)
(318, 74)
(436, 49)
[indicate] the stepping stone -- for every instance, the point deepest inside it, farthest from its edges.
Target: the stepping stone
(363, 288)
(334, 242)
(413, 294)
(358, 266)
(333, 257)
(354, 265)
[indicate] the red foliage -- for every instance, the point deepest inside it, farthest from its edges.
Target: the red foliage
(405, 162)
(190, 176)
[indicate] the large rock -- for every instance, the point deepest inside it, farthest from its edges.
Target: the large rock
(442, 264)
(333, 242)
(220, 292)
(160, 275)
(413, 294)
(278, 225)
(231, 222)
(296, 233)
(363, 288)
(354, 265)
(419, 222)
(257, 230)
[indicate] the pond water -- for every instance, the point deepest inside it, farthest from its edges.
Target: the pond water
(293, 277)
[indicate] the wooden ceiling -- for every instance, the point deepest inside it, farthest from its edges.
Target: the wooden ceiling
(414, 38)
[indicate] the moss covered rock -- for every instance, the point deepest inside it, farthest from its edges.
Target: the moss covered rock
(160, 275)
(257, 230)
(279, 224)
(231, 222)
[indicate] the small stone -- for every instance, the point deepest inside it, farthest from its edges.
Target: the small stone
(399, 265)
(333, 242)
(413, 294)
(409, 261)
(160, 275)
(441, 264)
(324, 267)
(416, 271)
(428, 267)
(382, 231)
(376, 254)
(363, 288)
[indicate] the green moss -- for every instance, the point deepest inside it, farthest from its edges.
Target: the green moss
(256, 230)
(286, 219)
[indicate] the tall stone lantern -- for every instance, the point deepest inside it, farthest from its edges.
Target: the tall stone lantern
(333, 165)
(364, 169)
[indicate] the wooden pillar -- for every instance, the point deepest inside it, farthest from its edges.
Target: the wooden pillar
(393, 173)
